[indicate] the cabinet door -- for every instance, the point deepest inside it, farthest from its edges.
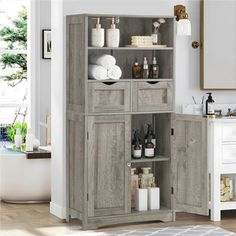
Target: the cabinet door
(190, 165)
(108, 172)
(152, 97)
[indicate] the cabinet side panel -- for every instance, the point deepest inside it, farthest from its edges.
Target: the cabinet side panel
(76, 65)
(76, 162)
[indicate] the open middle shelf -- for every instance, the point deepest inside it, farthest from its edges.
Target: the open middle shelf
(155, 159)
(132, 48)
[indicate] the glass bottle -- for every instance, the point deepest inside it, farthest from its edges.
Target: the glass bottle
(136, 70)
(145, 71)
(150, 133)
(137, 152)
(155, 36)
(149, 148)
(154, 69)
(136, 138)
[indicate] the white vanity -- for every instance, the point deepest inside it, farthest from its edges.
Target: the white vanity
(222, 162)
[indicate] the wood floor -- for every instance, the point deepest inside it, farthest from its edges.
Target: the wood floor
(35, 220)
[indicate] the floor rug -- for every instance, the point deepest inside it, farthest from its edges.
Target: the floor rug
(197, 230)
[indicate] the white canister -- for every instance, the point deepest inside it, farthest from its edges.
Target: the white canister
(141, 199)
(154, 198)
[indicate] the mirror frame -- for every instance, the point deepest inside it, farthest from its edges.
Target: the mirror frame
(202, 52)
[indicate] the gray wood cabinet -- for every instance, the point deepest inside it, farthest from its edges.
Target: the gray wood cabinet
(100, 116)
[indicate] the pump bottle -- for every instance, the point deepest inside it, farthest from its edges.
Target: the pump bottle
(113, 34)
(97, 34)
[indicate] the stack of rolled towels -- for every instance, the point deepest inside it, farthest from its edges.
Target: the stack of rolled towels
(103, 67)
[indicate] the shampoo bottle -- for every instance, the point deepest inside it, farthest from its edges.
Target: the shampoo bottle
(18, 138)
(29, 141)
(97, 34)
(113, 34)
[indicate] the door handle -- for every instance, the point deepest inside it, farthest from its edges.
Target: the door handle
(128, 164)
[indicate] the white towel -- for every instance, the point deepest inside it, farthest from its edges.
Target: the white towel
(97, 72)
(114, 73)
(105, 60)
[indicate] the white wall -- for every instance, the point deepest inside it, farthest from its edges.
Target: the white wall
(39, 69)
(45, 70)
(187, 69)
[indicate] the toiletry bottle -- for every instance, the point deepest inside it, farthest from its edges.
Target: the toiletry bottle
(155, 33)
(18, 138)
(210, 105)
(150, 132)
(29, 141)
(154, 69)
(153, 195)
(136, 70)
(97, 34)
(113, 34)
(137, 152)
(141, 197)
(145, 71)
(134, 186)
(145, 176)
(149, 148)
(134, 140)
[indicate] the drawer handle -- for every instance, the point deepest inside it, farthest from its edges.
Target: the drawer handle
(109, 83)
(154, 82)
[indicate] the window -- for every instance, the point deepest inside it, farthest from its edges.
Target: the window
(13, 62)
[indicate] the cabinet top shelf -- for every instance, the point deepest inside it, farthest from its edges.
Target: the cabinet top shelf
(132, 48)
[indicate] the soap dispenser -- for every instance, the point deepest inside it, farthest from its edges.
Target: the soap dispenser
(97, 34)
(210, 105)
(113, 34)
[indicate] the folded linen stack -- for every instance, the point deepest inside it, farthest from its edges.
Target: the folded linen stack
(104, 67)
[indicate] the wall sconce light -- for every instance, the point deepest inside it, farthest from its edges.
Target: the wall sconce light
(183, 23)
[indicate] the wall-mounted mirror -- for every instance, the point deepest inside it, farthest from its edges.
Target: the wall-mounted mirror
(218, 56)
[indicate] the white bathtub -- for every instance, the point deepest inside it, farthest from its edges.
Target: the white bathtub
(23, 179)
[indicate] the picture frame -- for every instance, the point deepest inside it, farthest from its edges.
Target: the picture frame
(46, 44)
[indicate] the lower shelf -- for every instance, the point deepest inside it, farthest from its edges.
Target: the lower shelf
(230, 205)
(162, 209)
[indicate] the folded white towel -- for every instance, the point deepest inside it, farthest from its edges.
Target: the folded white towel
(114, 73)
(97, 72)
(105, 60)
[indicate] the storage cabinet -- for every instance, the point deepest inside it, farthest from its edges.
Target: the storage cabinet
(222, 159)
(100, 116)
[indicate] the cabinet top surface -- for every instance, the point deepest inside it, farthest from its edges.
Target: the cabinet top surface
(120, 15)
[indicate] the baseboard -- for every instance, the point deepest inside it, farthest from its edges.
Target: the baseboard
(58, 210)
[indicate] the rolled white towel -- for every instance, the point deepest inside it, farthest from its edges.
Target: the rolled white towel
(114, 73)
(97, 72)
(105, 60)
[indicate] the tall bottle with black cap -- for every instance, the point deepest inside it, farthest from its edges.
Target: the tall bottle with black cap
(210, 110)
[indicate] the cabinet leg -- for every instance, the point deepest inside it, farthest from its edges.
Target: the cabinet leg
(215, 215)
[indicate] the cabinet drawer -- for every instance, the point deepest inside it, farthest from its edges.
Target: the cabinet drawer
(229, 154)
(152, 97)
(110, 97)
(229, 133)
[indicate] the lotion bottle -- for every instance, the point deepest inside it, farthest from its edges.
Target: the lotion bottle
(210, 105)
(18, 138)
(113, 34)
(97, 34)
(29, 141)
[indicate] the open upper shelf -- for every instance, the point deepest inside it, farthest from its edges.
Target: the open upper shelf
(132, 48)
